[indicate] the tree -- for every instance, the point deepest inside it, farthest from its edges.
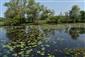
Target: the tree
(26, 11)
(14, 12)
(82, 15)
(66, 15)
(75, 13)
(35, 11)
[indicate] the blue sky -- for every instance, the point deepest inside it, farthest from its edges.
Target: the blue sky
(57, 5)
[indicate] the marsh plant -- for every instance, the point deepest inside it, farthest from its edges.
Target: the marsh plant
(26, 41)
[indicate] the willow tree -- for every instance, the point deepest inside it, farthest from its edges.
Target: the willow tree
(35, 11)
(26, 10)
(75, 13)
(15, 12)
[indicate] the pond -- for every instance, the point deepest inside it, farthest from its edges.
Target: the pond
(29, 41)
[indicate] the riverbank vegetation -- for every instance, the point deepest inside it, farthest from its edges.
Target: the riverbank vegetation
(34, 30)
(31, 12)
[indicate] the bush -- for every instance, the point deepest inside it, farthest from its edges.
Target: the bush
(14, 21)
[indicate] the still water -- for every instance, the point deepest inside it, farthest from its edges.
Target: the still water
(26, 41)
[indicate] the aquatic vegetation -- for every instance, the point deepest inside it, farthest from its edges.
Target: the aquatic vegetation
(23, 42)
(21, 49)
(79, 52)
(32, 42)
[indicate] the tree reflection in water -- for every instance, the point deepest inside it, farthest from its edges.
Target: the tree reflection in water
(75, 32)
(29, 41)
(24, 40)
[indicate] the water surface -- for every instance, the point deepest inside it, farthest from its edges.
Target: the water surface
(40, 42)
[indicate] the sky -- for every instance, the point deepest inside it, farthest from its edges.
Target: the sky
(56, 5)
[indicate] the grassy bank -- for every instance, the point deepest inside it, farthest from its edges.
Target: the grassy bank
(53, 25)
(61, 25)
(1, 23)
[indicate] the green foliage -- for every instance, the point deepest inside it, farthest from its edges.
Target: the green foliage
(30, 41)
(74, 52)
(30, 11)
(24, 43)
(53, 19)
(82, 15)
(14, 21)
(75, 13)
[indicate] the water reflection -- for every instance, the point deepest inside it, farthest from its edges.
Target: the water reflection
(3, 40)
(29, 41)
(75, 32)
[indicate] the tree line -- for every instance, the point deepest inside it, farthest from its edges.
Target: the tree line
(72, 16)
(29, 11)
